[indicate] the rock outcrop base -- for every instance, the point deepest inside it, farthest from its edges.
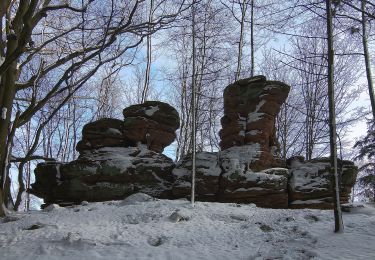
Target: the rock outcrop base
(311, 182)
(105, 174)
(122, 157)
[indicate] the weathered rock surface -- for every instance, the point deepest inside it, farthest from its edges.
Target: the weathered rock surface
(152, 123)
(226, 177)
(206, 177)
(120, 158)
(311, 182)
(239, 183)
(105, 132)
(105, 174)
(250, 108)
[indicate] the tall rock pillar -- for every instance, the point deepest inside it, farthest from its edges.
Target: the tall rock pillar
(250, 108)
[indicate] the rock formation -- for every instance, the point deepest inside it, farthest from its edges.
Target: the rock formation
(105, 132)
(119, 158)
(311, 182)
(226, 177)
(207, 177)
(250, 109)
(107, 173)
(152, 123)
(240, 183)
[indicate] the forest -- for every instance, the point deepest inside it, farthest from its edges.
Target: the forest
(66, 63)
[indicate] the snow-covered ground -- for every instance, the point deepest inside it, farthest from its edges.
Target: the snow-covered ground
(142, 228)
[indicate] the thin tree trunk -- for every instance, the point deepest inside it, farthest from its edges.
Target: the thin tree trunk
(193, 107)
(2, 206)
(339, 227)
(149, 50)
(240, 44)
(252, 39)
(367, 59)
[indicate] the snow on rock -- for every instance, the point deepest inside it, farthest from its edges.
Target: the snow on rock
(152, 123)
(136, 198)
(250, 108)
(212, 231)
(105, 174)
(113, 131)
(239, 158)
(207, 176)
(105, 132)
(52, 207)
(227, 177)
(256, 115)
(310, 183)
(151, 110)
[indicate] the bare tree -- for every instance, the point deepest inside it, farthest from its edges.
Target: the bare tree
(149, 54)
(64, 45)
(367, 58)
(193, 106)
(339, 227)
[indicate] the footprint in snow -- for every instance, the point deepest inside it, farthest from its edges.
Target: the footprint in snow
(311, 218)
(156, 241)
(264, 227)
(176, 216)
(239, 217)
(35, 226)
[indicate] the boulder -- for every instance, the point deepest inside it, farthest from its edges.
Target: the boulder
(311, 182)
(47, 176)
(107, 173)
(105, 132)
(250, 108)
(206, 177)
(152, 123)
(240, 184)
(226, 177)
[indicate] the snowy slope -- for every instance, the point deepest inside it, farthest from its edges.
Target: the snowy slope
(143, 228)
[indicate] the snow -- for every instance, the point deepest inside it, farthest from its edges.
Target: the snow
(256, 115)
(310, 175)
(164, 229)
(297, 202)
(123, 158)
(253, 132)
(113, 131)
(151, 110)
(266, 175)
(269, 87)
(207, 164)
(238, 158)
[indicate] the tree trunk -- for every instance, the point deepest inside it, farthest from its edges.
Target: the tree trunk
(252, 39)
(367, 59)
(339, 227)
(2, 207)
(149, 49)
(193, 108)
(240, 43)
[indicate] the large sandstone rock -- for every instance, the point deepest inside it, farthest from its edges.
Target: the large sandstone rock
(226, 177)
(250, 108)
(120, 158)
(152, 123)
(206, 177)
(239, 183)
(105, 132)
(311, 182)
(108, 173)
